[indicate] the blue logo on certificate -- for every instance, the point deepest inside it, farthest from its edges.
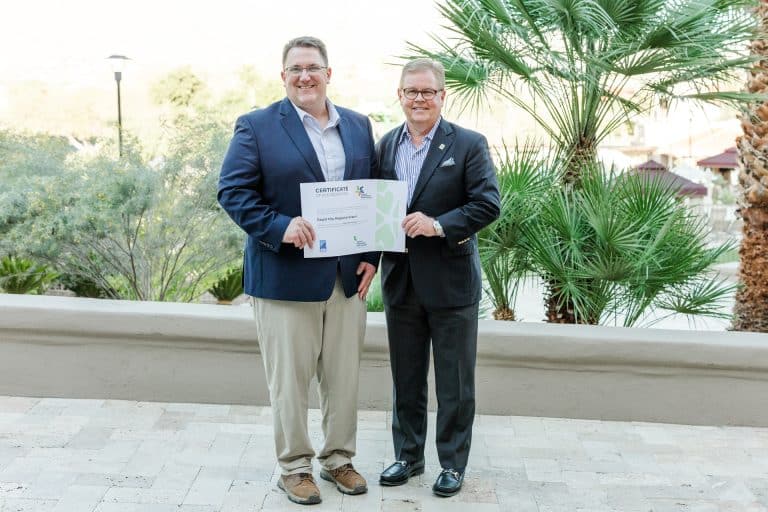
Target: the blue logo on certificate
(323, 246)
(360, 191)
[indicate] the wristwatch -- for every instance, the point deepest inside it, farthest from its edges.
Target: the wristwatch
(438, 228)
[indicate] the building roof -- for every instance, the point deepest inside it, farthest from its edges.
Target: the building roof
(654, 170)
(728, 159)
(651, 165)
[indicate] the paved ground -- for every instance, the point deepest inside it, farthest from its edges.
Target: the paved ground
(121, 456)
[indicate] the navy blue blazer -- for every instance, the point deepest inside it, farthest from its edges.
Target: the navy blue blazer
(457, 185)
(269, 156)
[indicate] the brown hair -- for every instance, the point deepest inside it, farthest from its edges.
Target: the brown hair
(306, 42)
(424, 64)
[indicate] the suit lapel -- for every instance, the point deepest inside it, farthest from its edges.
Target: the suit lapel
(297, 133)
(438, 148)
(390, 152)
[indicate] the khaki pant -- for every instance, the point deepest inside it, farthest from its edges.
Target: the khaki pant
(299, 340)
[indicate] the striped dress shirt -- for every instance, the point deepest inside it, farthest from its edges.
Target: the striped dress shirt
(409, 159)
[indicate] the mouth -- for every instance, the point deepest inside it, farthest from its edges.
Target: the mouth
(307, 86)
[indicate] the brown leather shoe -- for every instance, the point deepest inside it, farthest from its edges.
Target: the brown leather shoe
(347, 480)
(300, 488)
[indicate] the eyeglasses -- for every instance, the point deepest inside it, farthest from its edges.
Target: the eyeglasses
(312, 70)
(427, 94)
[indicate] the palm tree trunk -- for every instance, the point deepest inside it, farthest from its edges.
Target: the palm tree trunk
(583, 155)
(563, 311)
(558, 313)
(750, 312)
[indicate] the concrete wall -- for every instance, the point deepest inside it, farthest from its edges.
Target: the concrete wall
(70, 347)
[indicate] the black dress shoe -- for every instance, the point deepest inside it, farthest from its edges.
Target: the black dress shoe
(448, 483)
(399, 472)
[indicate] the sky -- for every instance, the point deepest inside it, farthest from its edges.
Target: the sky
(67, 41)
(64, 44)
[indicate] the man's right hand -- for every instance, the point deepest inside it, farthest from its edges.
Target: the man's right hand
(299, 233)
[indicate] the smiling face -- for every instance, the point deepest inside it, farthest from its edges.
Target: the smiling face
(420, 114)
(306, 89)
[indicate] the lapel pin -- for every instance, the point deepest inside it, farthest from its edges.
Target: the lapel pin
(441, 147)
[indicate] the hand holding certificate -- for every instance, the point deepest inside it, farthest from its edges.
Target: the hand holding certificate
(354, 216)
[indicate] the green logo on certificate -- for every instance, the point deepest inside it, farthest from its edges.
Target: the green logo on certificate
(388, 215)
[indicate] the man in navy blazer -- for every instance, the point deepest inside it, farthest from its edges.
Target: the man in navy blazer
(310, 313)
(432, 291)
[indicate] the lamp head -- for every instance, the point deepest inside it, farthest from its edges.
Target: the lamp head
(118, 63)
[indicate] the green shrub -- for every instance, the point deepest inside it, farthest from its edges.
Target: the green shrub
(612, 250)
(229, 287)
(523, 179)
(374, 300)
(85, 287)
(139, 227)
(20, 275)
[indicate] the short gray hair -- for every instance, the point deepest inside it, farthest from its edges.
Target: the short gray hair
(306, 42)
(425, 64)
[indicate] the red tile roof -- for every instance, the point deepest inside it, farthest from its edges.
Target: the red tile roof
(651, 165)
(728, 159)
(654, 170)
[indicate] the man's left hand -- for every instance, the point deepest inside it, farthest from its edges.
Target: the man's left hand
(368, 271)
(417, 223)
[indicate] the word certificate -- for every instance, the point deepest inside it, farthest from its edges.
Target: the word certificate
(354, 216)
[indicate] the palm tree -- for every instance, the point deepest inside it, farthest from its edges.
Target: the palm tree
(590, 65)
(524, 179)
(618, 249)
(750, 312)
(582, 68)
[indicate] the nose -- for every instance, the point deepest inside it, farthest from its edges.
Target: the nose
(304, 74)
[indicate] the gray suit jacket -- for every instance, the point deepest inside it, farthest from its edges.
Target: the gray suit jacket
(457, 186)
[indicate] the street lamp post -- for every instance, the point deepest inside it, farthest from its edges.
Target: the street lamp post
(118, 62)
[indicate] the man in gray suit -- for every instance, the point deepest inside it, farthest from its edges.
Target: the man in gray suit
(432, 291)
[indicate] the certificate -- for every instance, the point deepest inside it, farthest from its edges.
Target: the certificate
(354, 216)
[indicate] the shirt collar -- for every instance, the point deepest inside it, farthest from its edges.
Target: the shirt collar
(405, 134)
(333, 114)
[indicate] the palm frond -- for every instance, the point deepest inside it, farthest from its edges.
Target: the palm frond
(469, 79)
(733, 98)
(703, 297)
(484, 36)
(569, 54)
(524, 178)
(631, 15)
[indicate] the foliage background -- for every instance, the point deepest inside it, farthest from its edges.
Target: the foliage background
(144, 227)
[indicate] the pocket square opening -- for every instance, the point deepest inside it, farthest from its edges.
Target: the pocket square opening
(448, 162)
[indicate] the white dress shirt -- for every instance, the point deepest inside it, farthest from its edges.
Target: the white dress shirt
(326, 141)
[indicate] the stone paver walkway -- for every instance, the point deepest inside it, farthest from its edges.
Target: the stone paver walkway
(121, 456)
